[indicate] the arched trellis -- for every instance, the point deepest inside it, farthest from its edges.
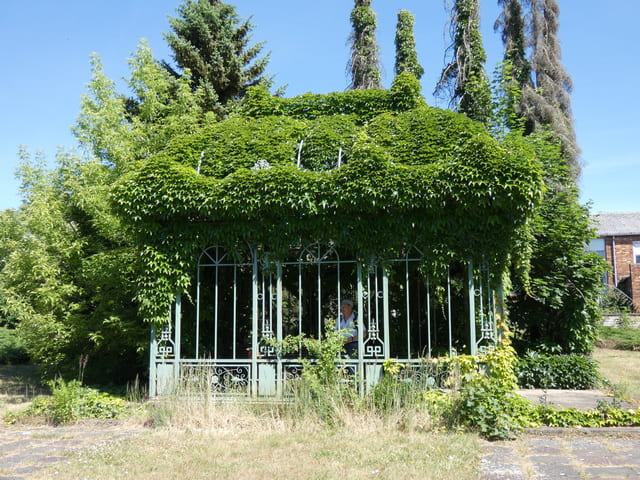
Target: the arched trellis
(242, 300)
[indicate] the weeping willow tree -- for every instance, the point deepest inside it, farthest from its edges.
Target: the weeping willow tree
(406, 54)
(464, 81)
(364, 63)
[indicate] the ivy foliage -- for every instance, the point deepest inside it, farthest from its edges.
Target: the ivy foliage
(406, 54)
(464, 81)
(409, 174)
(403, 95)
(364, 62)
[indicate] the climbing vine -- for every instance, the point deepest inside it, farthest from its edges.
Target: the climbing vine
(419, 175)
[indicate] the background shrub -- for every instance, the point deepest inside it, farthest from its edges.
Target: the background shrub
(12, 350)
(574, 372)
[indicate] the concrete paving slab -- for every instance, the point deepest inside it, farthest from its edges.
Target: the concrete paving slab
(578, 399)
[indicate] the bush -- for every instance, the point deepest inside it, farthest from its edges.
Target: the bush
(12, 351)
(487, 402)
(71, 401)
(574, 372)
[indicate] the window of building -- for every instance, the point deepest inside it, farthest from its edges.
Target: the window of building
(636, 252)
(597, 246)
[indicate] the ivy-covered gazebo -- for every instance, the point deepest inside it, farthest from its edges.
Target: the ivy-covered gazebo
(256, 227)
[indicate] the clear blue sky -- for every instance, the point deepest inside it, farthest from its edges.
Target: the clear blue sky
(46, 47)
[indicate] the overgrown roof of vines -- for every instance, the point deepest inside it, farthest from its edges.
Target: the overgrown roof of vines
(368, 170)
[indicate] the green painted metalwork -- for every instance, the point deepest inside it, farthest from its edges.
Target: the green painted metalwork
(239, 302)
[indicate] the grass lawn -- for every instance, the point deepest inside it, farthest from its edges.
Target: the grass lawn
(235, 441)
(231, 441)
(622, 369)
(303, 452)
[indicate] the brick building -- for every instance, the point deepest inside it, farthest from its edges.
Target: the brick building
(619, 243)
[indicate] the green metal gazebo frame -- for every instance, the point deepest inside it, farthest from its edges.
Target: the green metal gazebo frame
(221, 333)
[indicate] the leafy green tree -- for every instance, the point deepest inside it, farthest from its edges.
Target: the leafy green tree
(69, 264)
(406, 54)
(209, 39)
(464, 81)
(165, 106)
(557, 309)
(67, 276)
(364, 63)
(101, 128)
(119, 130)
(10, 235)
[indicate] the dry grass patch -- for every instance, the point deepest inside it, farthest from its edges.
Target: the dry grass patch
(197, 438)
(622, 369)
(288, 452)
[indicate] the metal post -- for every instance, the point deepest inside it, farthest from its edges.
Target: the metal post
(299, 306)
(472, 310)
(177, 335)
(235, 311)
(215, 312)
(406, 262)
(361, 327)
(153, 352)
(499, 311)
(279, 373)
(385, 312)
(319, 302)
(198, 313)
(428, 317)
(254, 328)
(449, 310)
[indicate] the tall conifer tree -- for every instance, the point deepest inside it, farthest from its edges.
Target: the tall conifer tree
(516, 68)
(464, 80)
(406, 54)
(364, 63)
(211, 41)
(547, 102)
(511, 24)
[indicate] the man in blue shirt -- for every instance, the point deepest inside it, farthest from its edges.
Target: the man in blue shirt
(348, 324)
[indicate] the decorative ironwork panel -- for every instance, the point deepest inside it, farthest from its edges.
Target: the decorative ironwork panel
(267, 305)
(166, 345)
(373, 345)
(486, 304)
(229, 378)
(318, 253)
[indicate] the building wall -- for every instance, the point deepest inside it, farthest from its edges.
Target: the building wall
(634, 272)
(608, 255)
(624, 265)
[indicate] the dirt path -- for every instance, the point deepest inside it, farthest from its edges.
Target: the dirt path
(25, 449)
